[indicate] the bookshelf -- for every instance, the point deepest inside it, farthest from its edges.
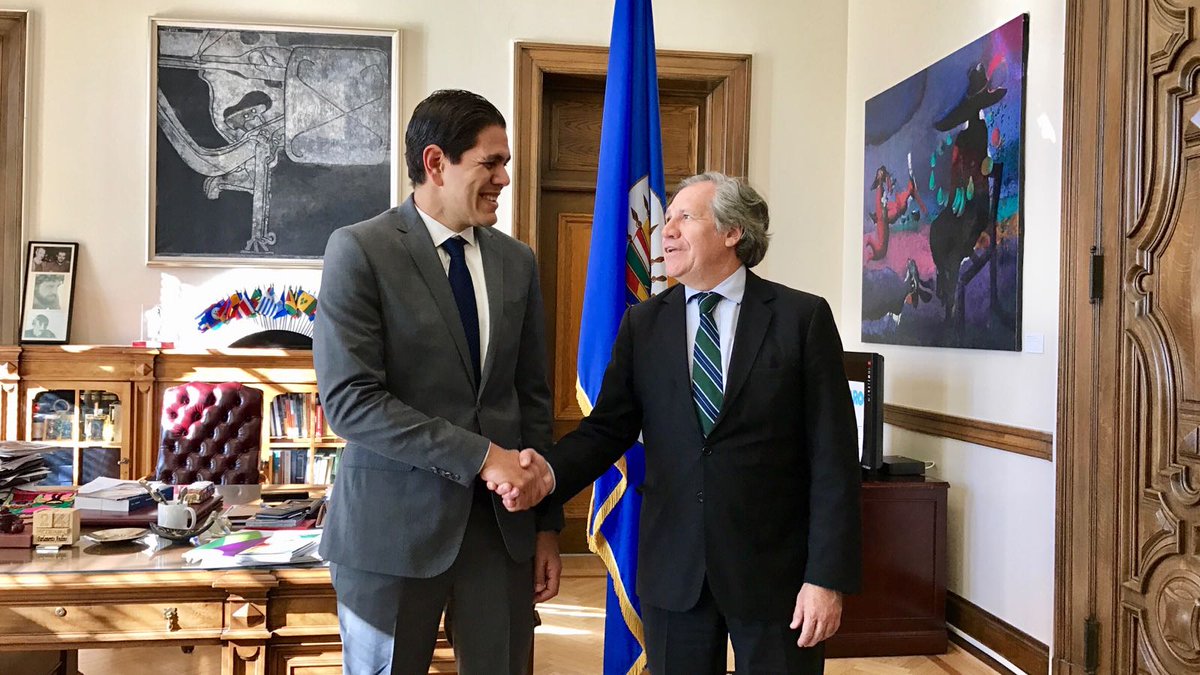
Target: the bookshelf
(300, 448)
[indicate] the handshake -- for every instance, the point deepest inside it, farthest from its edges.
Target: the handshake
(521, 479)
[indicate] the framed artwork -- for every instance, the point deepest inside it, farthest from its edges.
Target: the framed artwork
(49, 292)
(943, 223)
(265, 139)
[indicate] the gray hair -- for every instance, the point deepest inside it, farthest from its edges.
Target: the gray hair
(737, 205)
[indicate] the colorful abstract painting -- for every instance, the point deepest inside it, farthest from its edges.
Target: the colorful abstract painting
(942, 189)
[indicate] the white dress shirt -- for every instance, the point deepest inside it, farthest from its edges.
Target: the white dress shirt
(725, 314)
(440, 233)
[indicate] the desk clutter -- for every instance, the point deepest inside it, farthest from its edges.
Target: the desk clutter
(22, 463)
(290, 514)
(112, 511)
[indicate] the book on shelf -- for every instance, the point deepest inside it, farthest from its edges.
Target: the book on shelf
(292, 416)
(321, 425)
(289, 467)
(325, 467)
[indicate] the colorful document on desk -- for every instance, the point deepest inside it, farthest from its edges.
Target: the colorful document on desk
(223, 547)
(283, 547)
(251, 547)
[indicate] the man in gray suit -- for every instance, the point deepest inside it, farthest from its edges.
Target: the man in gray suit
(431, 362)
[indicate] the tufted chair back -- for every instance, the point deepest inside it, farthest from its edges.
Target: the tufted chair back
(210, 432)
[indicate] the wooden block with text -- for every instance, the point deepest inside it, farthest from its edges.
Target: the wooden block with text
(56, 527)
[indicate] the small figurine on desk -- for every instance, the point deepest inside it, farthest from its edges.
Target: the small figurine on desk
(10, 523)
(154, 494)
(12, 531)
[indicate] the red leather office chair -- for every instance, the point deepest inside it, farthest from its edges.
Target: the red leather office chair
(210, 432)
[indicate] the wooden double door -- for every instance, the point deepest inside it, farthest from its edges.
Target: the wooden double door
(1128, 462)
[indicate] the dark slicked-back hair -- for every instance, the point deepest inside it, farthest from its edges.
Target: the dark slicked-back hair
(450, 119)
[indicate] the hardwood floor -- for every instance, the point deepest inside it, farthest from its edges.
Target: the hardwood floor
(569, 642)
(570, 639)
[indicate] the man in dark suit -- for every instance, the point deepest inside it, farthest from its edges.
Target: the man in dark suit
(431, 362)
(750, 507)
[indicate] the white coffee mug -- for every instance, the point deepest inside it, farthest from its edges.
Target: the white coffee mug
(176, 516)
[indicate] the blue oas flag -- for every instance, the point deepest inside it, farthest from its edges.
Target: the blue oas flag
(624, 268)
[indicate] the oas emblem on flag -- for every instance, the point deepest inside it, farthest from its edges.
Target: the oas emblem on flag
(644, 271)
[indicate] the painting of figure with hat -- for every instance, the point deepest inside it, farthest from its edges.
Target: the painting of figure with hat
(942, 255)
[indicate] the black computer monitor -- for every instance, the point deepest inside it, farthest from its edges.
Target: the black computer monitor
(864, 371)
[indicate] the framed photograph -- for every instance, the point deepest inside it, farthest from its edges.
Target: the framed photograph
(265, 139)
(49, 292)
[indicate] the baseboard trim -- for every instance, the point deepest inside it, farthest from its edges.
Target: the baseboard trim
(1018, 647)
(1019, 440)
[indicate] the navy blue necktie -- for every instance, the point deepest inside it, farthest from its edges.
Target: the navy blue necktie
(464, 296)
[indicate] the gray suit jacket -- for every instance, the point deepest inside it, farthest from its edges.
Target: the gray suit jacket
(396, 381)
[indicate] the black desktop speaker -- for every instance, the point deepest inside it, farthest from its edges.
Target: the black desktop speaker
(898, 465)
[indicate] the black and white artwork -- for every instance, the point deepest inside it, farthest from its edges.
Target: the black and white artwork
(268, 138)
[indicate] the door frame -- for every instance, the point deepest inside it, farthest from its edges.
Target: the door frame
(726, 76)
(13, 32)
(1094, 473)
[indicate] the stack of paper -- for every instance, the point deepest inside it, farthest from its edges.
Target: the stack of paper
(114, 494)
(21, 463)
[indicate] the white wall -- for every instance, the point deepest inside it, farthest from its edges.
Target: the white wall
(1001, 514)
(89, 123)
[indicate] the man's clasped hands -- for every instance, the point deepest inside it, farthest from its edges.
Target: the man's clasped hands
(521, 479)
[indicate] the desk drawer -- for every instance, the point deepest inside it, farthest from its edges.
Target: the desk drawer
(25, 624)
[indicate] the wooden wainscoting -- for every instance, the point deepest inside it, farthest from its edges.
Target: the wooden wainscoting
(1021, 649)
(1029, 442)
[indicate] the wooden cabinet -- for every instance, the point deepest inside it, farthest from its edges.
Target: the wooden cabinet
(89, 402)
(902, 607)
(102, 406)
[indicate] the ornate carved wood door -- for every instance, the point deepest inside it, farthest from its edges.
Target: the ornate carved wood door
(1128, 591)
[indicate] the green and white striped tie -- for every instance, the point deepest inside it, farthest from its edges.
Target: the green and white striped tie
(708, 389)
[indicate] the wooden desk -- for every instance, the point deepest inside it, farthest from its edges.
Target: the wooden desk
(268, 621)
(902, 609)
